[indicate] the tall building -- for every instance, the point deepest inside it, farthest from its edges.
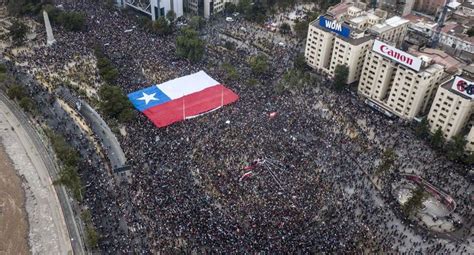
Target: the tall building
(154, 8)
(429, 7)
(345, 34)
(453, 107)
(207, 8)
(398, 81)
(398, 7)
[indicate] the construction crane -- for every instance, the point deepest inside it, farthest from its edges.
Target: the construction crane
(433, 43)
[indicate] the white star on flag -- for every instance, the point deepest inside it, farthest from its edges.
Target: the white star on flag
(147, 98)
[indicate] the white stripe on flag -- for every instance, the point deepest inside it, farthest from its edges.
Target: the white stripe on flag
(186, 85)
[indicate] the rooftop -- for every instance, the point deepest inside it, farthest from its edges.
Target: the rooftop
(339, 9)
(389, 24)
(448, 86)
(451, 64)
(351, 40)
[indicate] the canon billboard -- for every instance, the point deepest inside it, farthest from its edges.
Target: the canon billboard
(464, 86)
(397, 55)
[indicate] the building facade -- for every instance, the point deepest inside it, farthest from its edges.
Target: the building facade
(347, 39)
(452, 109)
(207, 8)
(398, 81)
(154, 8)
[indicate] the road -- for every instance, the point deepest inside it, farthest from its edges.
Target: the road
(62, 233)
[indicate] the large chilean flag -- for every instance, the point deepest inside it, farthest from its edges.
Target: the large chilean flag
(181, 98)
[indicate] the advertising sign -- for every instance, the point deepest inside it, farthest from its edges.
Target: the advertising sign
(397, 55)
(334, 26)
(464, 86)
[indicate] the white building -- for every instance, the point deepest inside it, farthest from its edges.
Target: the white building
(400, 82)
(207, 8)
(154, 8)
(346, 40)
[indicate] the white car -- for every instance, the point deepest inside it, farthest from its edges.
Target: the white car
(229, 19)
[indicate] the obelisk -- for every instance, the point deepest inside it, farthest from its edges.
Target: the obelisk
(49, 31)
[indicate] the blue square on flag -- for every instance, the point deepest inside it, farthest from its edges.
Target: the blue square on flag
(148, 97)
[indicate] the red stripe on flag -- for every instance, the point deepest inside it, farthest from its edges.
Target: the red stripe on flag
(205, 100)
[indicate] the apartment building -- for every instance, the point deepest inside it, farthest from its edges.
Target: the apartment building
(392, 30)
(346, 40)
(398, 81)
(207, 8)
(154, 8)
(453, 107)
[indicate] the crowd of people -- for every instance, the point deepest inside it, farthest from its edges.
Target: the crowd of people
(309, 191)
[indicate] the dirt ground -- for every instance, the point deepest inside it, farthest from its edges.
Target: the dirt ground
(13, 223)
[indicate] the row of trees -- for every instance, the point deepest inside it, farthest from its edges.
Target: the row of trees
(92, 237)
(454, 149)
(25, 7)
(69, 159)
(70, 20)
(113, 103)
(18, 93)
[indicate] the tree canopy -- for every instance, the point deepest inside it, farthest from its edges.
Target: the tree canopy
(340, 77)
(114, 103)
(189, 45)
(18, 31)
(258, 64)
(70, 20)
(162, 26)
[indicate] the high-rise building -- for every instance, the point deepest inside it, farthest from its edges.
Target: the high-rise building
(453, 107)
(207, 8)
(398, 7)
(398, 81)
(344, 35)
(154, 8)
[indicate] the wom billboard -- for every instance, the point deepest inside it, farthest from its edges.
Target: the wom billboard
(464, 86)
(397, 55)
(334, 26)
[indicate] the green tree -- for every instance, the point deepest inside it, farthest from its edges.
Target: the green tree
(27, 104)
(456, 147)
(300, 62)
(340, 77)
(258, 64)
(470, 32)
(388, 159)
(18, 31)
(162, 26)
(301, 28)
(22, 7)
(92, 237)
(189, 45)
(422, 129)
(72, 21)
(114, 103)
(285, 28)
(171, 15)
(415, 202)
(230, 7)
(437, 139)
(244, 6)
(230, 71)
(197, 22)
(69, 177)
(16, 91)
(229, 45)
